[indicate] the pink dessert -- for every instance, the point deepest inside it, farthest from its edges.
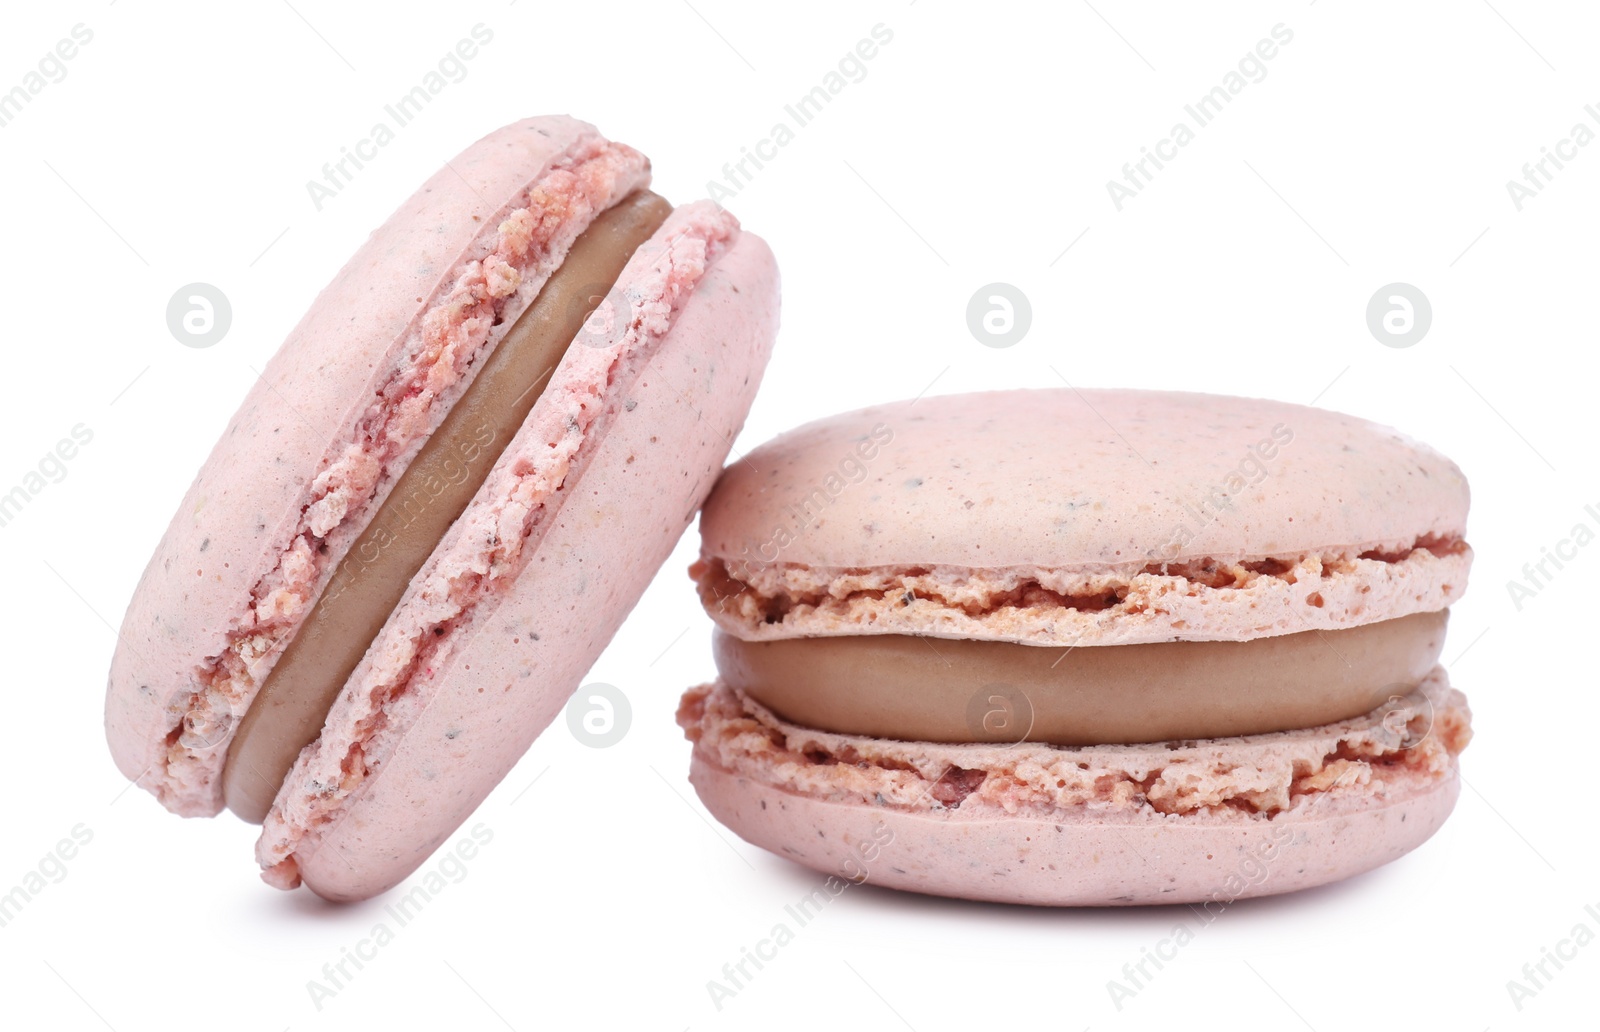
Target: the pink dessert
(1037, 581)
(645, 374)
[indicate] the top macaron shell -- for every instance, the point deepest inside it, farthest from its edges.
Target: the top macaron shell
(939, 516)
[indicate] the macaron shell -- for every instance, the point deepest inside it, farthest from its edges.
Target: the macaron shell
(1059, 518)
(1418, 733)
(1174, 822)
(293, 461)
(1091, 478)
(1082, 861)
(521, 655)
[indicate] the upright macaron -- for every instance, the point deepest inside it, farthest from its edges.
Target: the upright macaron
(437, 504)
(1083, 647)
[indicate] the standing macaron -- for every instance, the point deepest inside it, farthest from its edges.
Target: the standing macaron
(1083, 647)
(437, 504)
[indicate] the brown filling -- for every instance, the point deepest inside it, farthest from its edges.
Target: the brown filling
(288, 712)
(945, 690)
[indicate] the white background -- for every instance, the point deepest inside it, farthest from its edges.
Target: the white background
(976, 149)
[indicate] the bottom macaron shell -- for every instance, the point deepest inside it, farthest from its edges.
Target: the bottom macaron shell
(1081, 861)
(641, 488)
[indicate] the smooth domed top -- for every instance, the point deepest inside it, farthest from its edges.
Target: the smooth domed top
(1063, 477)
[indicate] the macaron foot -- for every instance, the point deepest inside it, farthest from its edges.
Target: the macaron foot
(1170, 822)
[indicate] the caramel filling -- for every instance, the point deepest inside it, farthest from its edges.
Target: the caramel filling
(916, 688)
(289, 710)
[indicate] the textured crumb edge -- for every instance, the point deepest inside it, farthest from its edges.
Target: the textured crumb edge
(485, 552)
(1199, 599)
(1408, 743)
(445, 343)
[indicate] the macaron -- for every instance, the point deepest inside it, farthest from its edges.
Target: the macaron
(438, 502)
(1082, 648)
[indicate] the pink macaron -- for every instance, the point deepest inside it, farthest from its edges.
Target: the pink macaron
(1065, 647)
(435, 507)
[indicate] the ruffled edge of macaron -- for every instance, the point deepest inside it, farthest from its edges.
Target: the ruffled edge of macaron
(1410, 741)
